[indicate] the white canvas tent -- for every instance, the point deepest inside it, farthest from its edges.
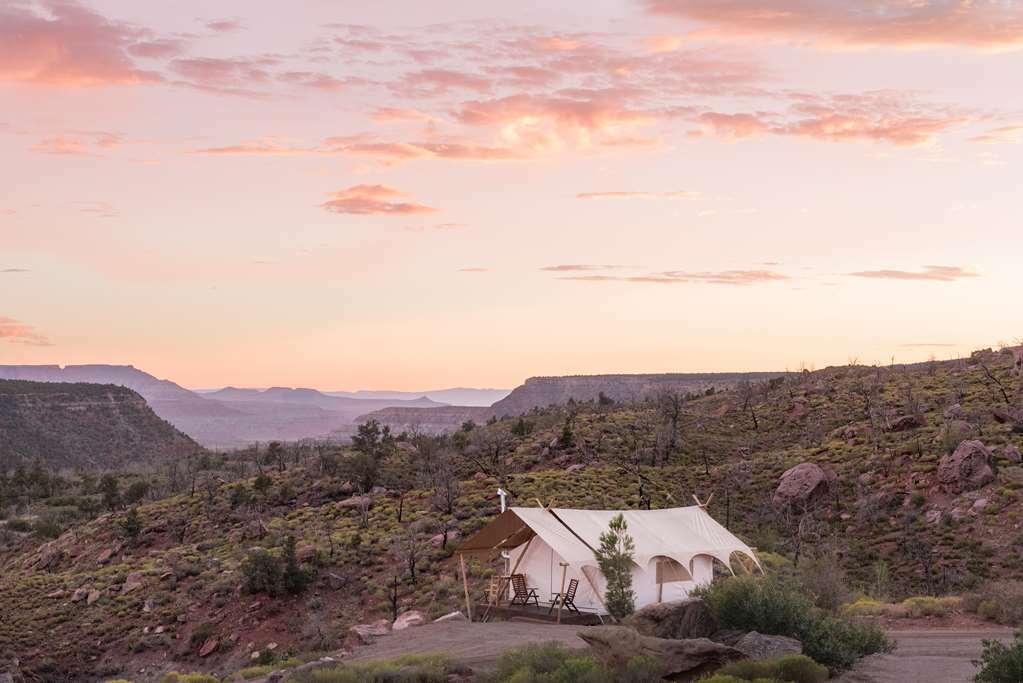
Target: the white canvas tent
(675, 550)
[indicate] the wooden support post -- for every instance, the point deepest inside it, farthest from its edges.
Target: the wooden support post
(507, 579)
(465, 585)
(561, 598)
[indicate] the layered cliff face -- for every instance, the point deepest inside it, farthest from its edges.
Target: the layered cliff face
(427, 420)
(90, 426)
(540, 392)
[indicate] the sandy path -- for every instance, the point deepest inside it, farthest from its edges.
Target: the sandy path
(932, 656)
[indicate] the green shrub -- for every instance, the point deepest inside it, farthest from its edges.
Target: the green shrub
(18, 524)
(774, 606)
(1001, 663)
(411, 669)
(926, 606)
(175, 677)
(553, 663)
(791, 668)
(263, 572)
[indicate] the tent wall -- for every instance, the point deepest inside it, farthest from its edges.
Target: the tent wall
(542, 568)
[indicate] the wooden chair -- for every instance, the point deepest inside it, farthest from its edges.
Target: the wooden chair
(522, 594)
(568, 599)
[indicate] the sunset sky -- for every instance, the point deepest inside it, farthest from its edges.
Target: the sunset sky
(412, 195)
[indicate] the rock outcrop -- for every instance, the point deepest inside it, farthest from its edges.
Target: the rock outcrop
(678, 659)
(680, 619)
(409, 619)
(759, 646)
(969, 467)
(804, 486)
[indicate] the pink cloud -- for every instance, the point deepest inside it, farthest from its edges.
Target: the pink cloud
(216, 72)
(580, 267)
(1010, 133)
(387, 153)
(312, 79)
(63, 43)
(78, 143)
(372, 200)
(733, 126)
(224, 25)
(474, 269)
(162, 48)
(19, 333)
(978, 24)
(929, 273)
(433, 82)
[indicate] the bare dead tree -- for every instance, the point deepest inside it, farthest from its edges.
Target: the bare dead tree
(994, 380)
(409, 547)
(747, 391)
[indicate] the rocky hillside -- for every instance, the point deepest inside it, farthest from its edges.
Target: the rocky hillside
(427, 420)
(540, 392)
(909, 476)
(91, 426)
(228, 418)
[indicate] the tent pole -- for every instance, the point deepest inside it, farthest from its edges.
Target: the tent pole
(465, 585)
(507, 579)
(561, 600)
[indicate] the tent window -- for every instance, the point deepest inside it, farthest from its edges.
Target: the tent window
(668, 571)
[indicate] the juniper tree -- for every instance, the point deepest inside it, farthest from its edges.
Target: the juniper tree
(615, 560)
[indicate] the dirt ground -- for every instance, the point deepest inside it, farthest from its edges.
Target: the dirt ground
(924, 656)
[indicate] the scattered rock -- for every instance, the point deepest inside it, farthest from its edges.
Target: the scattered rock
(272, 646)
(804, 485)
(572, 469)
(969, 467)
(689, 618)
(148, 606)
(134, 581)
(355, 502)
(79, 595)
(980, 505)
(336, 581)
(104, 555)
(1010, 414)
(1012, 454)
(378, 491)
(957, 431)
(347, 488)
(438, 540)
(56, 594)
(93, 596)
(363, 634)
(254, 530)
(906, 422)
(306, 553)
(479, 476)
(933, 516)
(209, 647)
(453, 616)
(758, 646)
(409, 619)
(616, 645)
(953, 412)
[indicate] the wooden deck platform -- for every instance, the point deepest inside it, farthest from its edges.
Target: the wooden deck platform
(531, 613)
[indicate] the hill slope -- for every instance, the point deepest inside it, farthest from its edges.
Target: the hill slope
(93, 426)
(885, 506)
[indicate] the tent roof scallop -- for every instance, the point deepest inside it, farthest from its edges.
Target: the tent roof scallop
(677, 533)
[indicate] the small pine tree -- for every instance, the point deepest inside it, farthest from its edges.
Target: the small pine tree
(295, 577)
(566, 439)
(131, 525)
(615, 560)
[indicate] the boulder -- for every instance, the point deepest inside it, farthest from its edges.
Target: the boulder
(933, 516)
(980, 505)
(93, 596)
(378, 491)
(363, 634)
(409, 619)
(679, 659)
(1010, 414)
(104, 555)
(680, 619)
(906, 422)
(758, 646)
(306, 553)
(451, 617)
(953, 412)
(347, 488)
(1012, 454)
(134, 581)
(438, 540)
(969, 467)
(209, 647)
(336, 581)
(572, 469)
(480, 476)
(804, 485)
(79, 595)
(356, 502)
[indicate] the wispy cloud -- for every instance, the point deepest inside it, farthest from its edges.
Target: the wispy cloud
(977, 24)
(1003, 134)
(373, 200)
(15, 270)
(17, 332)
(474, 269)
(580, 267)
(678, 194)
(929, 273)
(675, 277)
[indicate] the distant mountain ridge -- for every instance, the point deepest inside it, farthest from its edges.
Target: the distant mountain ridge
(457, 396)
(83, 426)
(227, 418)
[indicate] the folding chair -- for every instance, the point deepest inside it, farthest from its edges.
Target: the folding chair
(522, 594)
(568, 599)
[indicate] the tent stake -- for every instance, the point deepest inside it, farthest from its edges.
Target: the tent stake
(465, 585)
(561, 599)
